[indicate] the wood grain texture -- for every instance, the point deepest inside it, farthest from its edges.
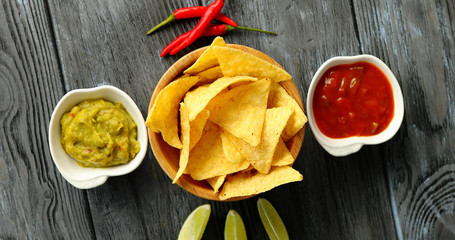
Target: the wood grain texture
(416, 39)
(336, 192)
(94, 53)
(102, 43)
(36, 202)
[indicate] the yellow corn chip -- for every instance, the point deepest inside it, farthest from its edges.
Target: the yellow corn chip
(207, 159)
(216, 182)
(282, 156)
(229, 149)
(210, 75)
(232, 86)
(197, 126)
(235, 62)
(184, 153)
(164, 114)
(250, 183)
(261, 156)
(241, 110)
(250, 168)
(207, 59)
(278, 97)
(198, 99)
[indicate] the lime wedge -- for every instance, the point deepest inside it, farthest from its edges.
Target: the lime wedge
(195, 223)
(234, 228)
(272, 222)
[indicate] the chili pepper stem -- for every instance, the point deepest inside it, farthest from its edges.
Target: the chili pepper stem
(171, 18)
(231, 28)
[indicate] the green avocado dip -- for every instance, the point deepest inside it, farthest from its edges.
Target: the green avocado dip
(99, 133)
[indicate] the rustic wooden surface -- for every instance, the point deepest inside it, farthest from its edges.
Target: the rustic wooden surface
(401, 189)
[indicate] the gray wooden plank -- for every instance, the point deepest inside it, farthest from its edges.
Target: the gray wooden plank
(341, 210)
(416, 39)
(103, 42)
(338, 212)
(339, 198)
(35, 201)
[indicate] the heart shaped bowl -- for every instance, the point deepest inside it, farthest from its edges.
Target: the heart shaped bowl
(344, 146)
(168, 157)
(85, 177)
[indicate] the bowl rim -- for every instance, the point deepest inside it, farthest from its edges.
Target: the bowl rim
(345, 146)
(185, 181)
(82, 177)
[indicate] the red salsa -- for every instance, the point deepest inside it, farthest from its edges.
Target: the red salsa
(353, 100)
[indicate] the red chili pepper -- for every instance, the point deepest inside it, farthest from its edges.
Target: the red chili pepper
(174, 43)
(211, 30)
(72, 114)
(191, 12)
(212, 10)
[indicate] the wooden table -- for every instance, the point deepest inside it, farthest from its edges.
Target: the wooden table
(401, 189)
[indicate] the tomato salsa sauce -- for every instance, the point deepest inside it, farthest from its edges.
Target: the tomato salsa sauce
(353, 100)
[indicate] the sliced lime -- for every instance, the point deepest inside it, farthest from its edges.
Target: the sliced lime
(195, 223)
(272, 222)
(234, 228)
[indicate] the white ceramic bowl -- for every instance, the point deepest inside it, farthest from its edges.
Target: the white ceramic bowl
(82, 177)
(345, 146)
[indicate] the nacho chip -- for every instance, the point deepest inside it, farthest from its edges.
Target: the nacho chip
(164, 114)
(278, 97)
(235, 62)
(261, 156)
(210, 75)
(207, 159)
(230, 151)
(250, 183)
(207, 59)
(282, 156)
(184, 153)
(198, 99)
(234, 85)
(216, 182)
(250, 168)
(241, 110)
(197, 127)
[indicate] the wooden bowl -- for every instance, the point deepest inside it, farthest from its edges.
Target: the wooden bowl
(168, 157)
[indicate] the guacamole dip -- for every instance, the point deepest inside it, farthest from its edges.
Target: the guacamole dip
(99, 133)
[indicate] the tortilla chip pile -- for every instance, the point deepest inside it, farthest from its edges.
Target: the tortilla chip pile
(234, 118)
